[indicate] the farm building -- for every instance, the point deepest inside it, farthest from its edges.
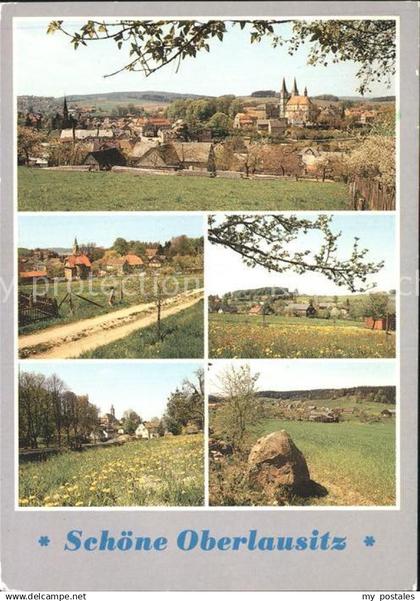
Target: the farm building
(30, 276)
(140, 147)
(147, 430)
(179, 155)
(326, 417)
(156, 261)
(227, 309)
(385, 323)
(104, 160)
(69, 135)
(128, 264)
(388, 412)
(162, 157)
(271, 127)
(37, 162)
(77, 265)
(195, 155)
(154, 125)
(300, 310)
(131, 262)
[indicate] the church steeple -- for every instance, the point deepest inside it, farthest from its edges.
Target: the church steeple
(284, 97)
(295, 91)
(305, 92)
(75, 247)
(65, 110)
(283, 87)
(112, 411)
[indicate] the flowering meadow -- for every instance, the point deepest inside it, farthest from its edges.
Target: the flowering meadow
(232, 336)
(167, 471)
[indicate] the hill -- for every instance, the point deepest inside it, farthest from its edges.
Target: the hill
(249, 293)
(108, 100)
(383, 394)
(103, 101)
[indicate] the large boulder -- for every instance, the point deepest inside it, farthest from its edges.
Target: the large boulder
(275, 462)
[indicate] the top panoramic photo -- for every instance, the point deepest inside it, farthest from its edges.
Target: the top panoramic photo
(168, 115)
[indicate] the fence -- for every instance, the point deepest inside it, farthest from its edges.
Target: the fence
(370, 194)
(36, 308)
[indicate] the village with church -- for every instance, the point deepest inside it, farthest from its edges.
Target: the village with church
(90, 260)
(286, 133)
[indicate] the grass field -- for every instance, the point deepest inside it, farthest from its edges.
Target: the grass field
(165, 471)
(183, 337)
(244, 336)
(97, 290)
(354, 461)
(40, 190)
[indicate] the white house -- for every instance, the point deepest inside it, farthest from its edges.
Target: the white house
(147, 430)
(142, 431)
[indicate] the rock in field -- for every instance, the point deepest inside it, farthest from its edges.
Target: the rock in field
(275, 462)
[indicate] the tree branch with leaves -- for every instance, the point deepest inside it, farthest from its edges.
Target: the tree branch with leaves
(153, 45)
(267, 241)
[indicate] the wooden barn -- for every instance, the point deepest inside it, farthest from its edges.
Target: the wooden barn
(196, 155)
(179, 155)
(300, 310)
(104, 160)
(162, 157)
(385, 323)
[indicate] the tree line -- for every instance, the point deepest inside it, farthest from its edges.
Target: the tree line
(51, 414)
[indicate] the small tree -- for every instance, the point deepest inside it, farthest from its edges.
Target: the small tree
(376, 307)
(186, 404)
(130, 421)
(28, 143)
(121, 246)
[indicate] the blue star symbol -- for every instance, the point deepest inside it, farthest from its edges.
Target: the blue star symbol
(44, 541)
(369, 541)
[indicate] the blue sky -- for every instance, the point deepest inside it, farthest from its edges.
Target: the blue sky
(225, 270)
(53, 68)
(306, 374)
(144, 387)
(50, 231)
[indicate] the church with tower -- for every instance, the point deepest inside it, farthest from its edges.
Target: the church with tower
(64, 121)
(271, 118)
(297, 109)
(77, 265)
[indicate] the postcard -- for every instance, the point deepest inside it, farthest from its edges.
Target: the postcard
(209, 290)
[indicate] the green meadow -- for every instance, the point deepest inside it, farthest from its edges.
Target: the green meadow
(182, 336)
(352, 460)
(43, 190)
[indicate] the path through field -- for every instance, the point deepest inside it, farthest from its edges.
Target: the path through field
(71, 340)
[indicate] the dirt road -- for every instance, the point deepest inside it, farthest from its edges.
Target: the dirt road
(73, 339)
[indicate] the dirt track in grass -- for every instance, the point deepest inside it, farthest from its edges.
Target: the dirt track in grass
(71, 340)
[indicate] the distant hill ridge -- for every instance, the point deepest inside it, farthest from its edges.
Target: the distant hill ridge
(169, 96)
(365, 392)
